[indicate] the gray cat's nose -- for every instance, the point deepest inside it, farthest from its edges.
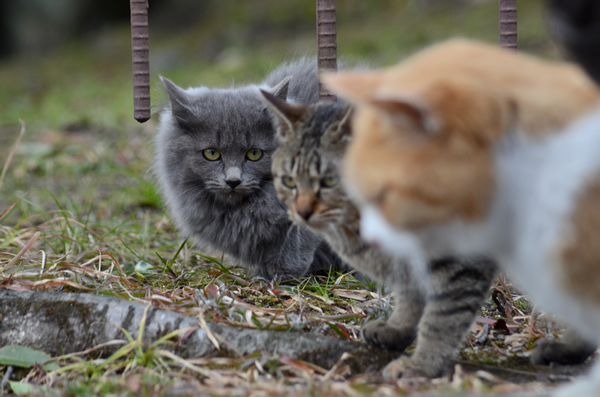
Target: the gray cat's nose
(233, 182)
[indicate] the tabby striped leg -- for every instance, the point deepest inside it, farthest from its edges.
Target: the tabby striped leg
(458, 288)
(400, 330)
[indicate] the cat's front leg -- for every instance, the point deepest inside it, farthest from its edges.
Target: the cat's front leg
(458, 288)
(400, 329)
(288, 253)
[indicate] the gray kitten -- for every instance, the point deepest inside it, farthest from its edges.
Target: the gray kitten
(313, 140)
(213, 161)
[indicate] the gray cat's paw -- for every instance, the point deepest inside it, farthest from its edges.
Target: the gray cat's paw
(561, 353)
(379, 333)
(405, 367)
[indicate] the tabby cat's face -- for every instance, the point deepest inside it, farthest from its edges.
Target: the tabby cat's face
(306, 167)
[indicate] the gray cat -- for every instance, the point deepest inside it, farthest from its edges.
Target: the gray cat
(313, 140)
(213, 161)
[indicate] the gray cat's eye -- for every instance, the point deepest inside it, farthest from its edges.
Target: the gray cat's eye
(330, 180)
(288, 181)
(211, 154)
(254, 154)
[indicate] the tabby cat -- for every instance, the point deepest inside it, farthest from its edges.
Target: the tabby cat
(305, 167)
(469, 149)
(213, 161)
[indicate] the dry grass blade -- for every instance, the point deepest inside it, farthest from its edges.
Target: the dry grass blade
(124, 275)
(184, 363)
(81, 269)
(206, 329)
(337, 368)
(26, 248)
(12, 153)
(217, 360)
(6, 211)
(304, 366)
(60, 282)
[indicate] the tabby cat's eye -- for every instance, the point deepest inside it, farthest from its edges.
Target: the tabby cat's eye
(289, 181)
(211, 154)
(330, 180)
(254, 154)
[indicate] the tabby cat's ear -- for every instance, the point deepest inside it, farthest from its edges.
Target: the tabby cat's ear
(286, 114)
(407, 111)
(180, 106)
(343, 133)
(281, 89)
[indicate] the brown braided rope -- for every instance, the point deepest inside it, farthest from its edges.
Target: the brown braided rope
(140, 60)
(326, 42)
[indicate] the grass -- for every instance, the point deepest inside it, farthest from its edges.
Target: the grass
(83, 214)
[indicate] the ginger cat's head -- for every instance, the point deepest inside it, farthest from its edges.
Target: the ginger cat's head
(418, 155)
(312, 141)
(424, 132)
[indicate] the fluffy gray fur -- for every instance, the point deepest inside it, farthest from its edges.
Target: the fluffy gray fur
(230, 204)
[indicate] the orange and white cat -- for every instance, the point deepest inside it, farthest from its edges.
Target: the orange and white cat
(465, 149)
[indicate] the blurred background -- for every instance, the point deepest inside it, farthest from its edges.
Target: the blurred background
(65, 70)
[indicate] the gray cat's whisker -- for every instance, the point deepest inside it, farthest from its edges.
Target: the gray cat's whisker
(193, 188)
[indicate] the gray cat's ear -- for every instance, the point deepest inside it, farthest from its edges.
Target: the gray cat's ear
(180, 106)
(286, 114)
(281, 89)
(344, 130)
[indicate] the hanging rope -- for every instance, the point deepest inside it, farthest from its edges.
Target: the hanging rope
(326, 42)
(508, 23)
(140, 60)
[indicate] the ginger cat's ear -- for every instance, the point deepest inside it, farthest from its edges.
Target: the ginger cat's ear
(355, 86)
(287, 114)
(407, 111)
(403, 109)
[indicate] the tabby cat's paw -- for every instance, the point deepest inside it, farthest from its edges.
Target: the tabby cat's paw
(404, 367)
(379, 333)
(562, 353)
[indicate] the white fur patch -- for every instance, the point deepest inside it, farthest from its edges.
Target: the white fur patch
(546, 184)
(404, 245)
